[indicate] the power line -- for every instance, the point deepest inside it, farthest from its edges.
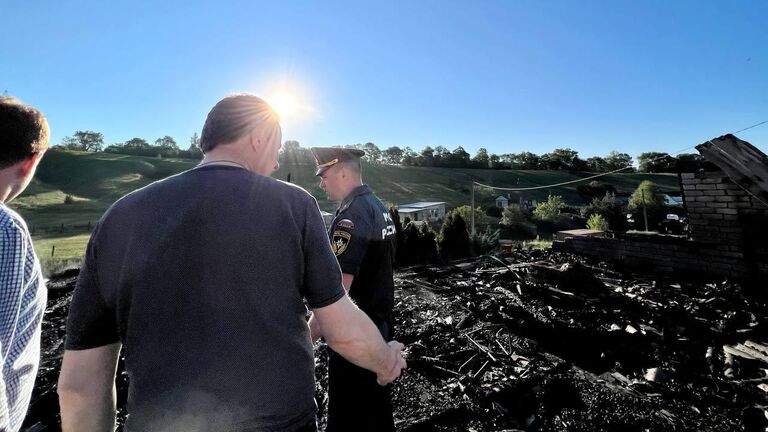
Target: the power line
(750, 127)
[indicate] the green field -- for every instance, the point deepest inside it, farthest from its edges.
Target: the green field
(95, 180)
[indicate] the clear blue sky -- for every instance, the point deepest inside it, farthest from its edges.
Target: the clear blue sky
(509, 76)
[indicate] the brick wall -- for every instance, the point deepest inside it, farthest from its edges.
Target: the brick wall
(728, 234)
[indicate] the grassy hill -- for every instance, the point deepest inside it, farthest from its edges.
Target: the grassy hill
(95, 180)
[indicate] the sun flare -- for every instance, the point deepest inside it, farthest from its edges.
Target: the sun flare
(285, 104)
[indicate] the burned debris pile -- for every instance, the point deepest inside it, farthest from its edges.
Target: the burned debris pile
(545, 341)
(552, 342)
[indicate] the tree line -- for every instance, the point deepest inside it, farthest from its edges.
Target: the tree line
(560, 159)
(165, 146)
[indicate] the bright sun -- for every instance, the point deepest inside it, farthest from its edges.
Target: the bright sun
(284, 103)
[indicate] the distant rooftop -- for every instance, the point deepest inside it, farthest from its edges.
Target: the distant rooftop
(420, 205)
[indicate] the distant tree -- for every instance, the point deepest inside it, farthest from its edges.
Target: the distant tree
(84, 140)
(453, 241)
(596, 164)
(166, 142)
(194, 142)
(481, 159)
(419, 244)
(494, 162)
(647, 200)
(526, 161)
(594, 189)
(580, 164)
(465, 212)
(616, 160)
(292, 152)
(561, 159)
(505, 160)
(610, 209)
(392, 156)
(427, 244)
(409, 253)
(549, 209)
(441, 155)
(690, 163)
(656, 162)
(459, 158)
(515, 224)
(410, 157)
(427, 157)
(549, 216)
(136, 143)
(372, 153)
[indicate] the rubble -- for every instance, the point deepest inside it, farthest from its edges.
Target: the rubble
(545, 341)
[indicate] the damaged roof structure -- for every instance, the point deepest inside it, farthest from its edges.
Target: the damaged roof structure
(728, 221)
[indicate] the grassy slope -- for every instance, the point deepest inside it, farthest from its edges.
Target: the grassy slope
(97, 180)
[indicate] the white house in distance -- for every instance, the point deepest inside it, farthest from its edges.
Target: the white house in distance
(422, 211)
(502, 201)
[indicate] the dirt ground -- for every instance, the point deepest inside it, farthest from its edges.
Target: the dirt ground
(542, 341)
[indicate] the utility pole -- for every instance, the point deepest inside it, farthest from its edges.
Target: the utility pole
(645, 210)
(472, 206)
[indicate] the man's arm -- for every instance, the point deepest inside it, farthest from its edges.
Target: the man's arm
(315, 332)
(86, 389)
(350, 332)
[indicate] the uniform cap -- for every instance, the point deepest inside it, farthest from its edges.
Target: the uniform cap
(327, 157)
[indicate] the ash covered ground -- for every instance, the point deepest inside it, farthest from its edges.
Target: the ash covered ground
(541, 341)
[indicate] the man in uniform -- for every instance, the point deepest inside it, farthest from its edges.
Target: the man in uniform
(202, 277)
(363, 238)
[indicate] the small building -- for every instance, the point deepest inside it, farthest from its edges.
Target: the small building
(430, 211)
(502, 201)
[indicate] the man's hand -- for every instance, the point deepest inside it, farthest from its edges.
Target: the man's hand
(398, 364)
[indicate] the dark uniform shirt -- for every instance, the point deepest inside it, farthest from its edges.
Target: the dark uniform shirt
(363, 239)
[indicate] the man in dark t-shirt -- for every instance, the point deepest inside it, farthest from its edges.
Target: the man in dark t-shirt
(201, 278)
(362, 237)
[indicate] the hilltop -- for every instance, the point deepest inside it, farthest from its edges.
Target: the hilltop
(95, 180)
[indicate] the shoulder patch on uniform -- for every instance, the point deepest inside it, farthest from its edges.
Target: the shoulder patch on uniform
(340, 242)
(346, 223)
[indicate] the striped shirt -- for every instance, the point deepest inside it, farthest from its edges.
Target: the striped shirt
(22, 303)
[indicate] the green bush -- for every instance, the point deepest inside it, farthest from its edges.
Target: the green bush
(597, 222)
(550, 209)
(466, 214)
(427, 244)
(400, 248)
(486, 242)
(549, 218)
(453, 241)
(610, 209)
(419, 245)
(515, 224)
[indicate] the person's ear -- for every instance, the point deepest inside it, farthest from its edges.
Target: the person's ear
(29, 164)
